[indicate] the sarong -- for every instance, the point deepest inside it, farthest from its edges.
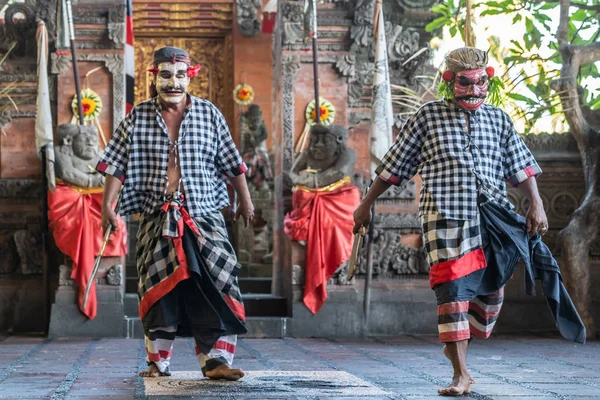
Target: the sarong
(174, 247)
(75, 220)
(324, 218)
(505, 241)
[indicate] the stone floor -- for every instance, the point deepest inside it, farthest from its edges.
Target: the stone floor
(406, 367)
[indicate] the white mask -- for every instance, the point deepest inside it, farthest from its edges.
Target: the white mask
(172, 82)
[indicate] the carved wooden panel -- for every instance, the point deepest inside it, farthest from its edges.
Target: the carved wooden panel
(159, 18)
(214, 81)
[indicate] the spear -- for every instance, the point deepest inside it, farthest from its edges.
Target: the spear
(310, 31)
(315, 62)
(71, 25)
(92, 278)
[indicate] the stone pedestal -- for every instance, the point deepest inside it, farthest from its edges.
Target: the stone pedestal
(67, 320)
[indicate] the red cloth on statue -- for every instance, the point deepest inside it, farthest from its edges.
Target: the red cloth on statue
(325, 220)
(75, 220)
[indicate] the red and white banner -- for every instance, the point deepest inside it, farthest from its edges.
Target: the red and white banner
(129, 58)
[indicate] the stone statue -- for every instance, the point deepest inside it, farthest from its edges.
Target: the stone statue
(321, 221)
(254, 134)
(77, 154)
(327, 159)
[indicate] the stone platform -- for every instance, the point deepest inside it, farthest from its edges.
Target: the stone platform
(506, 367)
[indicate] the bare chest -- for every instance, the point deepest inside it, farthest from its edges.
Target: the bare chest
(173, 124)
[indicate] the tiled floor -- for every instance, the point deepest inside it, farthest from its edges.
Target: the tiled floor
(404, 367)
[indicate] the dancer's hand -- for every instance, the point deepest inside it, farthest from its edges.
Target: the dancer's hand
(362, 217)
(109, 218)
(246, 211)
(537, 222)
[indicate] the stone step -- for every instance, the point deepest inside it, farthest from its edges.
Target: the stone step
(258, 327)
(264, 305)
(131, 283)
(132, 328)
(130, 305)
(255, 285)
(267, 327)
(256, 270)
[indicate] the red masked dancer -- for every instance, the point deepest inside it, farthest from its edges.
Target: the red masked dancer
(464, 151)
(171, 154)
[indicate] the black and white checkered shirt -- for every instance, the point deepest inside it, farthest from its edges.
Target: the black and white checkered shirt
(138, 154)
(435, 143)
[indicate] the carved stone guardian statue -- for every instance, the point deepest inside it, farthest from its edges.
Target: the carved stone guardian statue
(258, 175)
(253, 136)
(74, 210)
(77, 154)
(324, 200)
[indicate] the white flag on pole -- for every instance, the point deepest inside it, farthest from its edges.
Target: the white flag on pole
(43, 118)
(382, 117)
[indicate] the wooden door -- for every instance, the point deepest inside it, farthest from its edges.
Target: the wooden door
(215, 79)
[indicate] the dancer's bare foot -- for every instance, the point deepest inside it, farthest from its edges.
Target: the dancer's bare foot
(471, 380)
(460, 385)
(151, 372)
(224, 372)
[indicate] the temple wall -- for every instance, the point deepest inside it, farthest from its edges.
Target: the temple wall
(280, 71)
(253, 64)
(27, 288)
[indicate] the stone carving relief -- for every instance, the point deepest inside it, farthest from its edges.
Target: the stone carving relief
(406, 193)
(357, 65)
(5, 118)
(20, 190)
(254, 134)
(551, 142)
(116, 25)
(293, 19)
(297, 274)
(391, 257)
(64, 276)
(29, 248)
(19, 28)
(114, 274)
(340, 277)
(257, 247)
(417, 4)
(291, 65)
(248, 13)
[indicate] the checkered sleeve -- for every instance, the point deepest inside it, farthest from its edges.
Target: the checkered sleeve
(229, 161)
(116, 154)
(518, 162)
(401, 161)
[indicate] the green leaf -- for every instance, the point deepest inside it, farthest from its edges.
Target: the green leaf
(517, 18)
(492, 12)
(548, 6)
(453, 30)
(517, 44)
(436, 24)
(519, 97)
(579, 15)
(595, 105)
(442, 9)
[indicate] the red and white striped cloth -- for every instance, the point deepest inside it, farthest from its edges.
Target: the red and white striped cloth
(461, 320)
(159, 348)
(129, 58)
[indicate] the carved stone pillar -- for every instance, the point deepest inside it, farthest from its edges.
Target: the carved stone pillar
(291, 65)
